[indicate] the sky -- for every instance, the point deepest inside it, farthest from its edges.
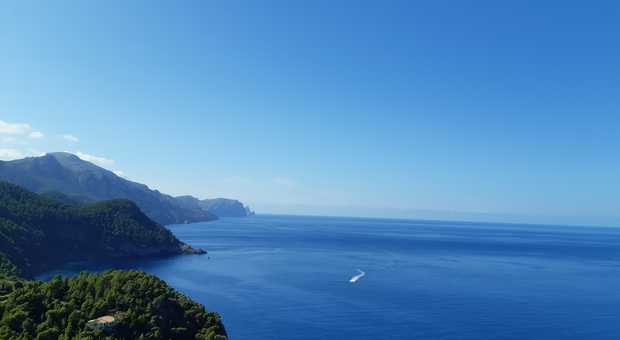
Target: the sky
(499, 110)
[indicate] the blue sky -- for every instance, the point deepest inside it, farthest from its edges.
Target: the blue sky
(434, 109)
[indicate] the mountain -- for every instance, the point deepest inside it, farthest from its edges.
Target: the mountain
(82, 181)
(37, 233)
(222, 207)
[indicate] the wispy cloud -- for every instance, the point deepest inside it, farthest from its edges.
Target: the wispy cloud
(70, 138)
(17, 135)
(14, 128)
(9, 140)
(12, 131)
(101, 161)
(11, 154)
(36, 135)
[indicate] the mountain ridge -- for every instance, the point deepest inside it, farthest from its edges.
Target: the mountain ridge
(65, 173)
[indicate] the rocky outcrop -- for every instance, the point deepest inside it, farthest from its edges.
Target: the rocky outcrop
(221, 207)
(187, 249)
(224, 207)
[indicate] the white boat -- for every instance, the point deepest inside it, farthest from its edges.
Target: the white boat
(358, 276)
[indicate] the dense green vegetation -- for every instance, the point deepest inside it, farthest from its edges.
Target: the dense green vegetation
(145, 307)
(37, 232)
(65, 198)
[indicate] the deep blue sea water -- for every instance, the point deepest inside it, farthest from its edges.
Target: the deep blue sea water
(284, 277)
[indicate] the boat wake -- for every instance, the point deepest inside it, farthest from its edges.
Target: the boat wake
(357, 277)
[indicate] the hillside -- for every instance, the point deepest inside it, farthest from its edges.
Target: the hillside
(37, 232)
(143, 307)
(83, 181)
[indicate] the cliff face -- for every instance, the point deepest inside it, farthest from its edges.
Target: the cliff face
(83, 181)
(225, 207)
(36, 232)
(221, 207)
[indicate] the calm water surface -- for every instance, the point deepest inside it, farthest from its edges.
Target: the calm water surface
(282, 277)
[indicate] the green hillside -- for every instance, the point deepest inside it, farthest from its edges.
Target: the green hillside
(143, 307)
(38, 232)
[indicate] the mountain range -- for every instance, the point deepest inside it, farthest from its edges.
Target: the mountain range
(68, 178)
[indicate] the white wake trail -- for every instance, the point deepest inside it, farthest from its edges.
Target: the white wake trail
(358, 276)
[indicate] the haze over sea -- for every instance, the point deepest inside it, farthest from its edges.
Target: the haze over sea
(287, 277)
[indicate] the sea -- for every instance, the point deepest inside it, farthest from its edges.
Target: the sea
(302, 278)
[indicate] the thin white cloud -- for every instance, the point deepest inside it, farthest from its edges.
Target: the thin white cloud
(11, 154)
(101, 161)
(36, 135)
(14, 128)
(70, 138)
(15, 132)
